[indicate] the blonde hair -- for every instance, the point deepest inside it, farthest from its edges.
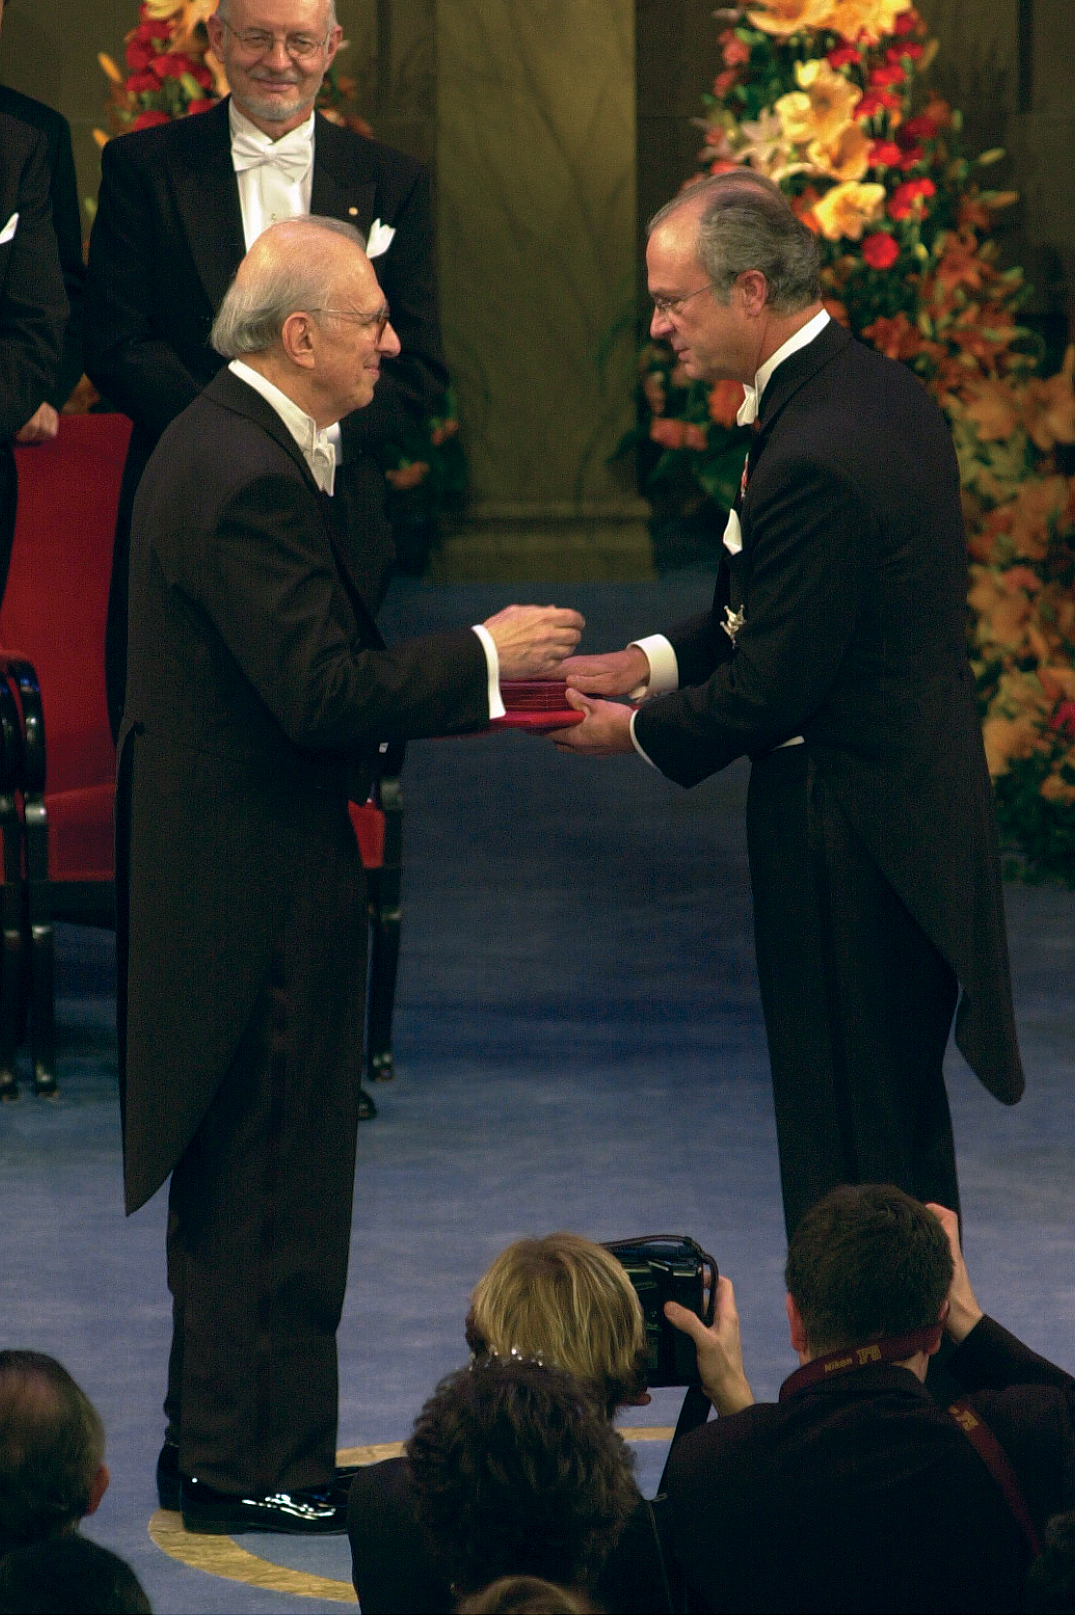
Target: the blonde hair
(567, 1301)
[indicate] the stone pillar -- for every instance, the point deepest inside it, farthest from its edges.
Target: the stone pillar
(536, 198)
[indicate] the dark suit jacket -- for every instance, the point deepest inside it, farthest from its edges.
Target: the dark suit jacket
(860, 1494)
(394, 1568)
(853, 580)
(166, 241)
(259, 691)
(33, 308)
(67, 223)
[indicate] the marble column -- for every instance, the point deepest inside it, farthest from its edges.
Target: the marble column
(536, 218)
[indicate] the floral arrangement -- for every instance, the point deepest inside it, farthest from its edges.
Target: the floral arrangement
(821, 96)
(173, 72)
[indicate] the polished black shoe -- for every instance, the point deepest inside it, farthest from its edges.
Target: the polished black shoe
(298, 1510)
(366, 1107)
(168, 1478)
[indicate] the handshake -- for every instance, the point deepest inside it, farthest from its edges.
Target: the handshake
(536, 642)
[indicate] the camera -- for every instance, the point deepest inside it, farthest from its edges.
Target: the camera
(662, 1269)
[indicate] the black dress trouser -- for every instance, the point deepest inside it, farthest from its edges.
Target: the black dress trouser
(858, 1002)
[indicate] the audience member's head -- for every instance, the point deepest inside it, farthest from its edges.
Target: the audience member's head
(517, 1595)
(52, 1470)
(70, 1574)
(1050, 1586)
(868, 1261)
(567, 1301)
(515, 1471)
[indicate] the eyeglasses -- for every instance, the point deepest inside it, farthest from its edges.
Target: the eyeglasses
(670, 307)
(379, 318)
(259, 42)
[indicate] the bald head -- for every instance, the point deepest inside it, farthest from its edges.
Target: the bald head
(292, 266)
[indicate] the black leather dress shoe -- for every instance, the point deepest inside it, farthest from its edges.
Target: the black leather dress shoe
(168, 1478)
(297, 1510)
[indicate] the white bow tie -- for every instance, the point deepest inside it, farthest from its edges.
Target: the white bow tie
(290, 156)
(747, 413)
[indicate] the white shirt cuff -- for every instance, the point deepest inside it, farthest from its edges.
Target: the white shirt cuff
(663, 667)
(497, 709)
(642, 753)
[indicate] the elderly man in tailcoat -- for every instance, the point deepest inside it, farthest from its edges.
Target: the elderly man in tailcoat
(259, 694)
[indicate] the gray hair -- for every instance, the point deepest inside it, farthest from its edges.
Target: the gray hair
(746, 222)
(259, 300)
(223, 11)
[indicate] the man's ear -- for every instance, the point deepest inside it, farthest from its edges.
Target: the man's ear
(753, 290)
(796, 1327)
(297, 340)
(98, 1488)
(942, 1316)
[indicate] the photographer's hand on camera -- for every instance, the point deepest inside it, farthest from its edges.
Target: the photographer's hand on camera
(964, 1310)
(720, 1353)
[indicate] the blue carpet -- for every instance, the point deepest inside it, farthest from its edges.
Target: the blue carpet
(579, 1045)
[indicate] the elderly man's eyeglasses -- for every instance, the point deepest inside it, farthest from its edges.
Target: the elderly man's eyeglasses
(670, 307)
(260, 41)
(379, 317)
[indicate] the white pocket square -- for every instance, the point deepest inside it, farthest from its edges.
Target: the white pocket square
(733, 534)
(379, 239)
(9, 229)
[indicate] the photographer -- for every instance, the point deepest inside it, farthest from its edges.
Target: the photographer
(563, 1301)
(856, 1492)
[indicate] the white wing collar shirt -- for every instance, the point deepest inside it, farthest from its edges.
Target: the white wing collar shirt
(664, 669)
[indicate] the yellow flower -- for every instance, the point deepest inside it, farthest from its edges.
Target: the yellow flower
(1039, 503)
(784, 17)
(848, 208)
(871, 19)
(1006, 739)
(821, 107)
(846, 157)
(993, 409)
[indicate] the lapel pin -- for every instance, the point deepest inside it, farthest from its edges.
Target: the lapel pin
(352, 212)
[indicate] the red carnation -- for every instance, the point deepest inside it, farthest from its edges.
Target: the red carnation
(896, 52)
(139, 55)
(904, 22)
(880, 251)
(724, 81)
(202, 106)
(904, 197)
(201, 75)
(842, 56)
(736, 52)
(140, 83)
(920, 128)
(892, 74)
(910, 158)
(874, 101)
(171, 65)
(884, 154)
(146, 120)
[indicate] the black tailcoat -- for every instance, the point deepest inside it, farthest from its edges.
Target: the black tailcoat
(166, 242)
(33, 308)
(852, 583)
(67, 223)
(258, 684)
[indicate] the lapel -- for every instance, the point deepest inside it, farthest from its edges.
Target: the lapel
(207, 197)
(233, 393)
(789, 377)
(337, 192)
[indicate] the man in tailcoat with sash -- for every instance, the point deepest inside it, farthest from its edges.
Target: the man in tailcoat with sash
(834, 656)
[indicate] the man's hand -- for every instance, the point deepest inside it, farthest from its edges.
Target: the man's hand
(614, 673)
(605, 730)
(532, 641)
(963, 1310)
(42, 426)
(720, 1354)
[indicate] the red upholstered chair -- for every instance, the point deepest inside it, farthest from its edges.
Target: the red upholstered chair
(53, 687)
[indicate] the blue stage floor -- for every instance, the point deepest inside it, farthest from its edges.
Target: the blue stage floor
(579, 1046)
